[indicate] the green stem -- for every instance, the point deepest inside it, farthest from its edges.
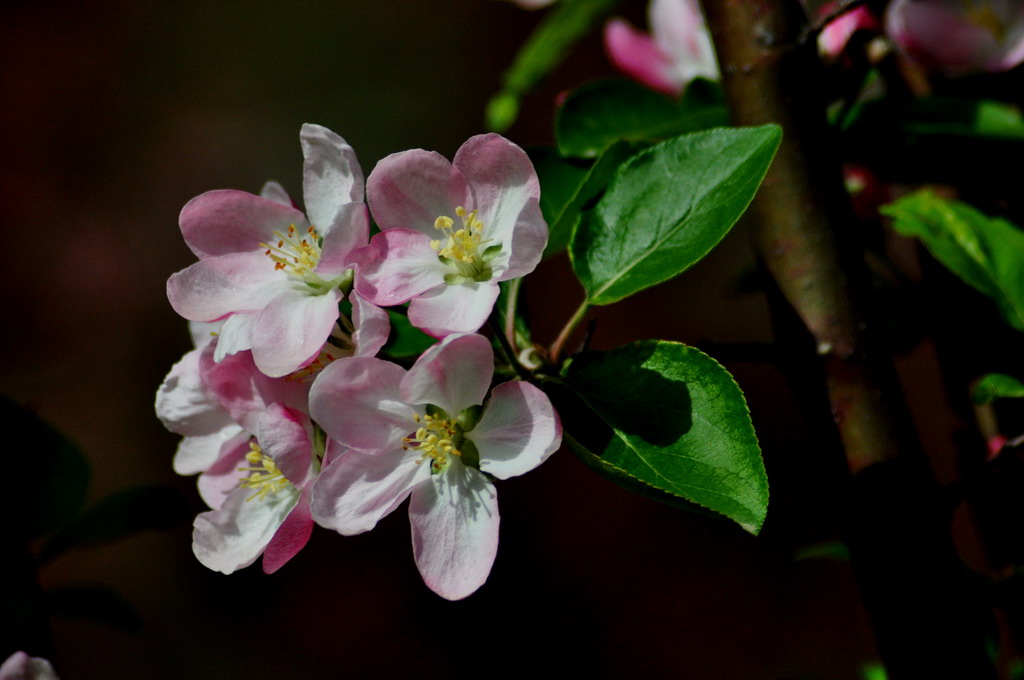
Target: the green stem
(511, 302)
(506, 347)
(570, 326)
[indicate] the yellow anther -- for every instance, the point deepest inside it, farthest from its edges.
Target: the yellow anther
(463, 246)
(264, 475)
(433, 440)
(298, 257)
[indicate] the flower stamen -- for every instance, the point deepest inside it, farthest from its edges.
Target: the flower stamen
(296, 254)
(437, 439)
(464, 247)
(264, 475)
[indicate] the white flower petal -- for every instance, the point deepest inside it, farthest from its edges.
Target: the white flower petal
(453, 374)
(196, 454)
(519, 429)
(231, 538)
(356, 490)
(455, 521)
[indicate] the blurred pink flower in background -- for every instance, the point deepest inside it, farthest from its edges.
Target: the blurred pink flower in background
(958, 37)
(677, 50)
(837, 33)
(21, 666)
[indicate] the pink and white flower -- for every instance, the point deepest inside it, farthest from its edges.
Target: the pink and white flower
(677, 50)
(451, 231)
(255, 485)
(21, 666)
(958, 37)
(274, 277)
(266, 512)
(427, 434)
(187, 406)
(266, 434)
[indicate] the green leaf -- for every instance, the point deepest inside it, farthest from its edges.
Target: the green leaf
(120, 515)
(569, 203)
(678, 424)
(997, 386)
(560, 178)
(667, 206)
(596, 115)
(560, 29)
(941, 116)
(987, 253)
(405, 340)
(830, 550)
(52, 474)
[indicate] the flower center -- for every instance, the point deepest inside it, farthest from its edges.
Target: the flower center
(463, 248)
(297, 254)
(437, 438)
(264, 475)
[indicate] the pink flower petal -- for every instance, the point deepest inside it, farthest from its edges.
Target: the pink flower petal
(228, 221)
(197, 453)
(183, 402)
(947, 37)
(455, 521)
(519, 429)
(411, 189)
(502, 180)
(397, 265)
(221, 478)
(459, 308)
(244, 391)
(290, 538)
(273, 191)
(284, 436)
(680, 32)
(21, 666)
(635, 54)
(453, 374)
(231, 538)
(349, 230)
(235, 334)
(835, 36)
(356, 401)
(291, 329)
(372, 326)
(529, 238)
(355, 491)
(331, 176)
(217, 286)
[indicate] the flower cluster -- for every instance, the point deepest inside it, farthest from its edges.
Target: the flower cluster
(288, 415)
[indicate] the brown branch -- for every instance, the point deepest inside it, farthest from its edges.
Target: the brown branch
(927, 620)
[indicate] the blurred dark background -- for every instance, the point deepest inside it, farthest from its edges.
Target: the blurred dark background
(116, 113)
